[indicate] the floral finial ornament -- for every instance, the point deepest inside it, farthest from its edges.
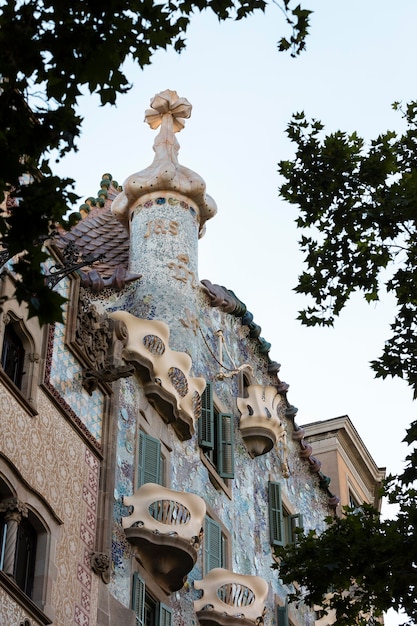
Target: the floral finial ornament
(168, 112)
(168, 103)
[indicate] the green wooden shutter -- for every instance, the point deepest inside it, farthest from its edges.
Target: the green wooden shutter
(282, 616)
(165, 615)
(276, 529)
(225, 447)
(296, 521)
(149, 461)
(212, 545)
(138, 599)
(206, 421)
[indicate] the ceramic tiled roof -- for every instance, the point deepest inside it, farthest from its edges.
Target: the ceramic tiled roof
(98, 232)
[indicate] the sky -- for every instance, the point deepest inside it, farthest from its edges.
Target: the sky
(360, 58)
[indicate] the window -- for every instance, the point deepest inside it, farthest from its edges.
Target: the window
(216, 433)
(21, 347)
(354, 502)
(282, 525)
(13, 355)
(150, 461)
(282, 616)
(18, 544)
(24, 567)
(28, 539)
(214, 545)
(147, 610)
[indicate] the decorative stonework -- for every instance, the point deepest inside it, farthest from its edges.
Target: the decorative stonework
(167, 383)
(181, 271)
(50, 456)
(230, 599)
(13, 509)
(168, 112)
(100, 564)
(100, 340)
(260, 424)
(165, 530)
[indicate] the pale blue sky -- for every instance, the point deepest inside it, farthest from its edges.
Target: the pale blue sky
(360, 57)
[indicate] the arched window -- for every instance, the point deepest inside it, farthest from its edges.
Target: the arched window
(25, 540)
(21, 345)
(13, 355)
(25, 556)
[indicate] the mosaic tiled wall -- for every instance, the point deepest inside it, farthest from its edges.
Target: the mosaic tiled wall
(57, 464)
(65, 375)
(245, 516)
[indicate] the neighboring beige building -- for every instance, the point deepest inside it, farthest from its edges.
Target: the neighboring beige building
(354, 475)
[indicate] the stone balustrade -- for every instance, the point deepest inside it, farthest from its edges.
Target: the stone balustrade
(230, 599)
(260, 424)
(165, 530)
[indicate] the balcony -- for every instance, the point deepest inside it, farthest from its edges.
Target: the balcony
(260, 424)
(230, 599)
(168, 385)
(165, 530)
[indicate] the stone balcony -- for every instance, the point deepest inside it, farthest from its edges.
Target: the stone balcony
(230, 599)
(260, 424)
(165, 530)
(165, 373)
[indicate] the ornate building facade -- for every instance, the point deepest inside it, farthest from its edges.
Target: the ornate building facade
(150, 458)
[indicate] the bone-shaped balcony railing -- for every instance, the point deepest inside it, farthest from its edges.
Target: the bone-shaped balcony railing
(163, 510)
(233, 595)
(260, 424)
(165, 530)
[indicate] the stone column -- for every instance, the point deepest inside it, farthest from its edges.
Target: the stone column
(13, 510)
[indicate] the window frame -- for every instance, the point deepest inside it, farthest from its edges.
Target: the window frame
(216, 435)
(140, 597)
(31, 336)
(282, 615)
(150, 460)
(282, 523)
(46, 525)
(214, 550)
(213, 525)
(13, 355)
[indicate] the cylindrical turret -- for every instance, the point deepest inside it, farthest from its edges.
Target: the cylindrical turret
(165, 208)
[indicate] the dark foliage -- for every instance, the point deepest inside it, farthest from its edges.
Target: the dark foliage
(51, 51)
(358, 211)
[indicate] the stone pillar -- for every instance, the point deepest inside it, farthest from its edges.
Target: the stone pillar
(13, 511)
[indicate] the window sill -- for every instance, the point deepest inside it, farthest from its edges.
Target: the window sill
(17, 394)
(8, 584)
(217, 481)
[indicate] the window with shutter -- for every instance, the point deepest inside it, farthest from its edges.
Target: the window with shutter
(282, 616)
(213, 545)
(216, 435)
(282, 525)
(138, 599)
(276, 530)
(165, 615)
(225, 451)
(206, 421)
(149, 460)
(148, 611)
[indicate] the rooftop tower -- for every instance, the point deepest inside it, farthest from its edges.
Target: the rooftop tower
(165, 208)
